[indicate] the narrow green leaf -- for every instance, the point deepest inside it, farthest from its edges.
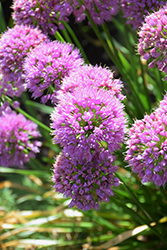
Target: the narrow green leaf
(75, 39)
(2, 20)
(24, 172)
(43, 108)
(100, 220)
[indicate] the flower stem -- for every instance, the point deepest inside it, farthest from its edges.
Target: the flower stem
(66, 36)
(111, 44)
(148, 218)
(28, 116)
(78, 44)
(59, 37)
(123, 72)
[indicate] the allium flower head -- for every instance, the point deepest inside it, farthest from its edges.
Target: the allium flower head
(16, 146)
(15, 44)
(86, 120)
(47, 65)
(100, 11)
(93, 76)
(147, 148)
(43, 13)
(135, 11)
(153, 39)
(87, 183)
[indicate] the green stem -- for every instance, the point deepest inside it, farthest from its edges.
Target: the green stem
(34, 120)
(134, 197)
(161, 83)
(28, 116)
(132, 59)
(144, 77)
(78, 44)
(66, 36)
(138, 103)
(111, 44)
(59, 37)
(130, 211)
(2, 20)
(155, 74)
(100, 37)
(131, 50)
(148, 218)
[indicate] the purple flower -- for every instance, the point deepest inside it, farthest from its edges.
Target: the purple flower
(93, 76)
(87, 183)
(147, 148)
(47, 65)
(135, 11)
(86, 120)
(45, 14)
(5, 108)
(100, 11)
(16, 146)
(49, 14)
(153, 39)
(15, 44)
(162, 109)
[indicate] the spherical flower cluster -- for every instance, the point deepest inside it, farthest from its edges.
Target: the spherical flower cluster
(45, 14)
(15, 44)
(16, 146)
(135, 11)
(86, 120)
(153, 39)
(147, 148)
(86, 182)
(100, 11)
(47, 65)
(93, 76)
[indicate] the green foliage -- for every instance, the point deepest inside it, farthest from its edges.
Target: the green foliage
(2, 20)
(7, 200)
